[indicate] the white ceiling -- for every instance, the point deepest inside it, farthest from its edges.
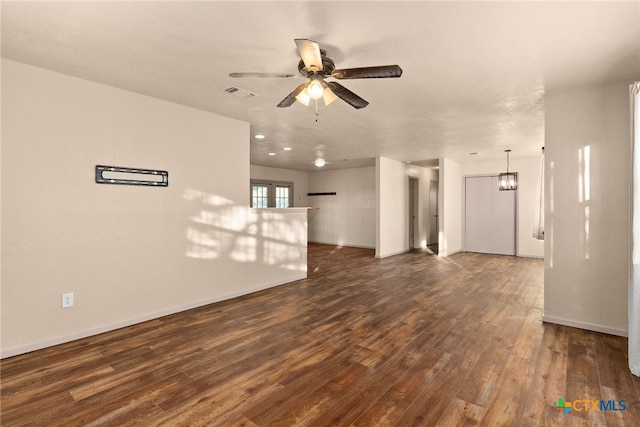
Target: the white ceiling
(475, 73)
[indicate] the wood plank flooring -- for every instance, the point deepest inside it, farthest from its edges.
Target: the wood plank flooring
(408, 340)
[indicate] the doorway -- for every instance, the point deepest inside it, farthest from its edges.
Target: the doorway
(433, 217)
(414, 198)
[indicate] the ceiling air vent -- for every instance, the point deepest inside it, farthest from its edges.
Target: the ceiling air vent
(239, 92)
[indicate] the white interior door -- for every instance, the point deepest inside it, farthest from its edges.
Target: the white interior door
(490, 217)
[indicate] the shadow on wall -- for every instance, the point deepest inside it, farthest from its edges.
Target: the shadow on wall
(220, 229)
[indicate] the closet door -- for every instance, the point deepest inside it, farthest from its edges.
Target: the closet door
(490, 217)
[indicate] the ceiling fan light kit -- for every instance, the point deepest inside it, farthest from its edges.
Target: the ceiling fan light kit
(316, 66)
(303, 97)
(328, 96)
(315, 89)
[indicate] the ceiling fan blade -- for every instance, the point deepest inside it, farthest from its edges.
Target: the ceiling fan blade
(347, 96)
(291, 98)
(276, 75)
(310, 54)
(380, 72)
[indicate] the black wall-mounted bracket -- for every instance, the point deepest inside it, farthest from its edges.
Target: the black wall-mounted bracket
(131, 176)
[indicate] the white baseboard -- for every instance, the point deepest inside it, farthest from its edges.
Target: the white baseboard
(530, 256)
(392, 253)
(586, 326)
(349, 245)
(446, 254)
(112, 327)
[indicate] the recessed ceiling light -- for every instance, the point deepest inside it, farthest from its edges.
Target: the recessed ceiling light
(287, 148)
(319, 163)
(271, 153)
(259, 136)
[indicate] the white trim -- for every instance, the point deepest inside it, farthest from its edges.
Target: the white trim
(586, 326)
(145, 318)
(348, 245)
(278, 210)
(446, 254)
(530, 256)
(633, 304)
(404, 251)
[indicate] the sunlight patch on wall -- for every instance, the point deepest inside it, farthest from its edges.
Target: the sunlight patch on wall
(220, 228)
(584, 177)
(549, 220)
(204, 245)
(244, 249)
(584, 190)
(191, 194)
(586, 232)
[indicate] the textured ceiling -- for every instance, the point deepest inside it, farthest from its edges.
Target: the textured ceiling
(475, 73)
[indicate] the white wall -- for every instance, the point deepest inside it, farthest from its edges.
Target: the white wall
(587, 232)
(349, 217)
(128, 253)
(300, 181)
(528, 170)
(392, 186)
(450, 208)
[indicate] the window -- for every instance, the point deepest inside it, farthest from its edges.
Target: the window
(266, 194)
(282, 196)
(259, 195)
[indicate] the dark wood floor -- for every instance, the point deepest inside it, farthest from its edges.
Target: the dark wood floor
(408, 340)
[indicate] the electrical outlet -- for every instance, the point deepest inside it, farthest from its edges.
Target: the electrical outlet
(67, 300)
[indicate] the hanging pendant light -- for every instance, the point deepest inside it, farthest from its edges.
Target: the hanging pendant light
(508, 180)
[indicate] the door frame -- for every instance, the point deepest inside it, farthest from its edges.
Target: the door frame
(433, 184)
(413, 234)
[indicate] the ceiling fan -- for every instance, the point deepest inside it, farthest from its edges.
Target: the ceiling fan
(317, 66)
